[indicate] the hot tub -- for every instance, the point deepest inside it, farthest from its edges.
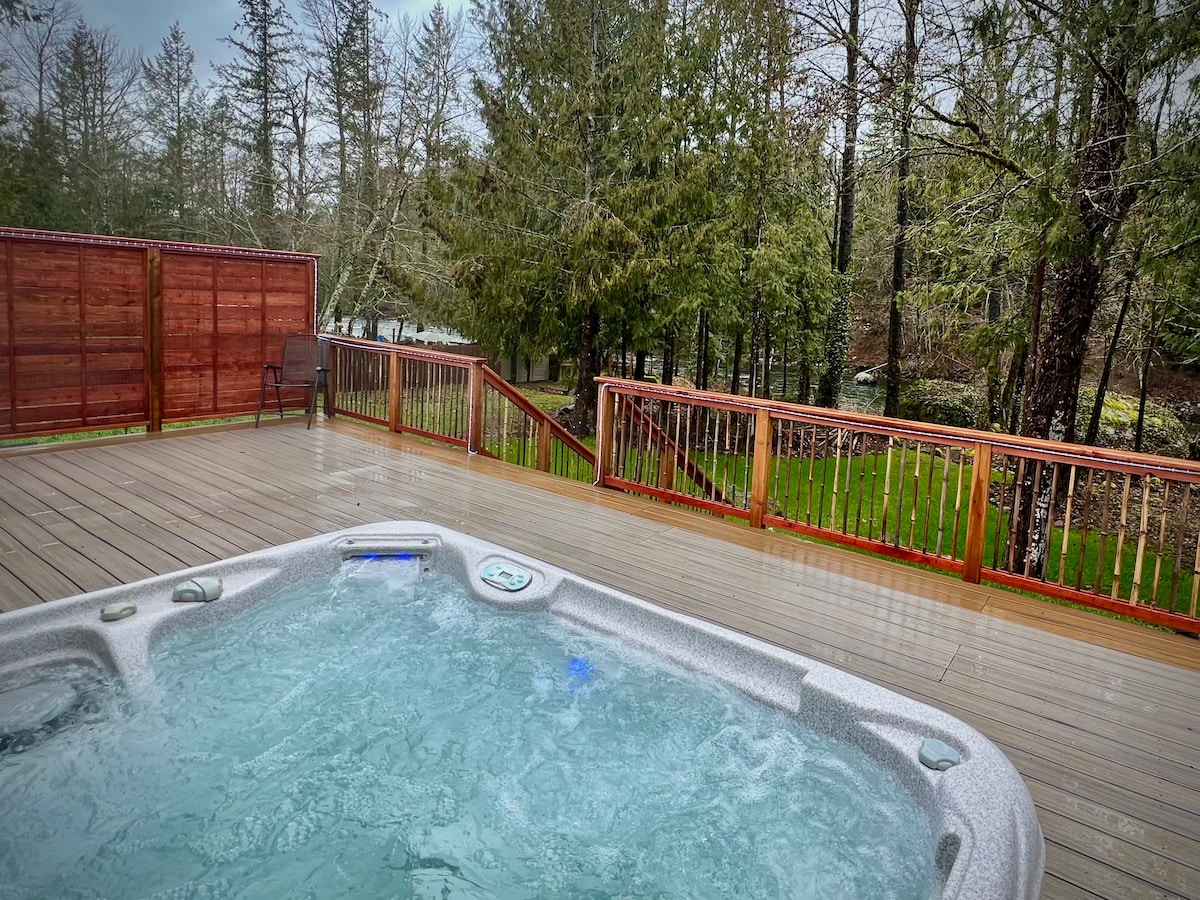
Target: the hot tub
(348, 719)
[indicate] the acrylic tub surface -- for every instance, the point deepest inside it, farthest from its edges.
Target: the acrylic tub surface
(987, 840)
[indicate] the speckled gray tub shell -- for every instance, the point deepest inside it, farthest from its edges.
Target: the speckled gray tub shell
(989, 843)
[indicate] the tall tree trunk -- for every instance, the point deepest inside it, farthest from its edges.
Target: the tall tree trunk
(766, 376)
(891, 404)
(1010, 400)
(994, 401)
(837, 329)
(702, 361)
(735, 384)
(668, 365)
(1100, 203)
(1036, 301)
(756, 332)
(783, 387)
(1143, 389)
(585, 385)
(1093, 428)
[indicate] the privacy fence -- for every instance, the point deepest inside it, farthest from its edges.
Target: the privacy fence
(101, 332)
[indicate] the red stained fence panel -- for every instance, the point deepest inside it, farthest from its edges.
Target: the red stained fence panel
(109, 332)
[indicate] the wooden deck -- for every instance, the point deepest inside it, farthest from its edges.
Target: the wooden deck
(1100, 717)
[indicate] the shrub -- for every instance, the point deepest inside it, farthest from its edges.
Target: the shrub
(943, 403)
(1162, 431)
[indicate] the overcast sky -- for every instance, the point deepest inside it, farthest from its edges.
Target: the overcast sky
(142, 24)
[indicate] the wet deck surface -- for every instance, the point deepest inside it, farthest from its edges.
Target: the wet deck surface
(1099, 716)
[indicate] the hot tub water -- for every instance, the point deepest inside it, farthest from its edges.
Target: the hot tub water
(381, 733)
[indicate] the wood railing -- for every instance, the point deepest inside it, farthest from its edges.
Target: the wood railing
(1112, 530)
(449, 398)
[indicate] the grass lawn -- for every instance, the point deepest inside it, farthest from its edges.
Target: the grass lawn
(917, 506)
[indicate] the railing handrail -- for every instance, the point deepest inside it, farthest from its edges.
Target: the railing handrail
(439, 356)
(496, 380)
(480, 374)
(1058, 517)
(1046, 450)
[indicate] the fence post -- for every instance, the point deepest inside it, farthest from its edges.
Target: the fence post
(760, 479)
(329, 399)
(543, 445)
(981, 482)
(154, 326)
(606, 409)
(393, 392)
(475, 410)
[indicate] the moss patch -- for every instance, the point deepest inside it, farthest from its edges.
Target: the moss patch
(943, 403)
(1162, 431)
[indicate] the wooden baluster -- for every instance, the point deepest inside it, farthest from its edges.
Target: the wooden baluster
(846, 487)
(862, 483)
(1105, 511)
(759, 482)
(898, 536)
(543, 444)
(812, 470)
(1086, 519)
(1034, 493)
(871, 504)
(941, 523)
(887, 489)
(998, 547)
(931, 468)
(1195, 579)
(1177, 569)
(1162, 540)
(958, 495)
(778, 462)
(393, 392)
(837, 472)
(1116, 585)
(1139, 559)
(1066, 531)
(1018, 489)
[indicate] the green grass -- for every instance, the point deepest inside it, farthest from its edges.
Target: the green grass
(548, 399)
(917, 508)
(564, 462)
(37, 440)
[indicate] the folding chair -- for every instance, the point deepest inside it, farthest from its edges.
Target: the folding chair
(301, 368)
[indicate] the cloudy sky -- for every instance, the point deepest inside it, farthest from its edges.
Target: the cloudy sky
(142, 24)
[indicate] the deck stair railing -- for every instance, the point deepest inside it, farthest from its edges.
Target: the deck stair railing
(449, 398)
(1108, 529)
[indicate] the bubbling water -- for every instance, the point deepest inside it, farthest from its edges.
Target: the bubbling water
(382, 734)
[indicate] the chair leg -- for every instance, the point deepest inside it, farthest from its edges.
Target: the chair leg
(278, 398)
(312, 404)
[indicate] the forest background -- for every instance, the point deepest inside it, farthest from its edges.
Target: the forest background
(758, 195)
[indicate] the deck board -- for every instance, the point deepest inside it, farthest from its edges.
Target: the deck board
(1098, 715)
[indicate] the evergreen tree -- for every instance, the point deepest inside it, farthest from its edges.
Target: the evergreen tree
(172, 106)
(255, 82)
(93, 105)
